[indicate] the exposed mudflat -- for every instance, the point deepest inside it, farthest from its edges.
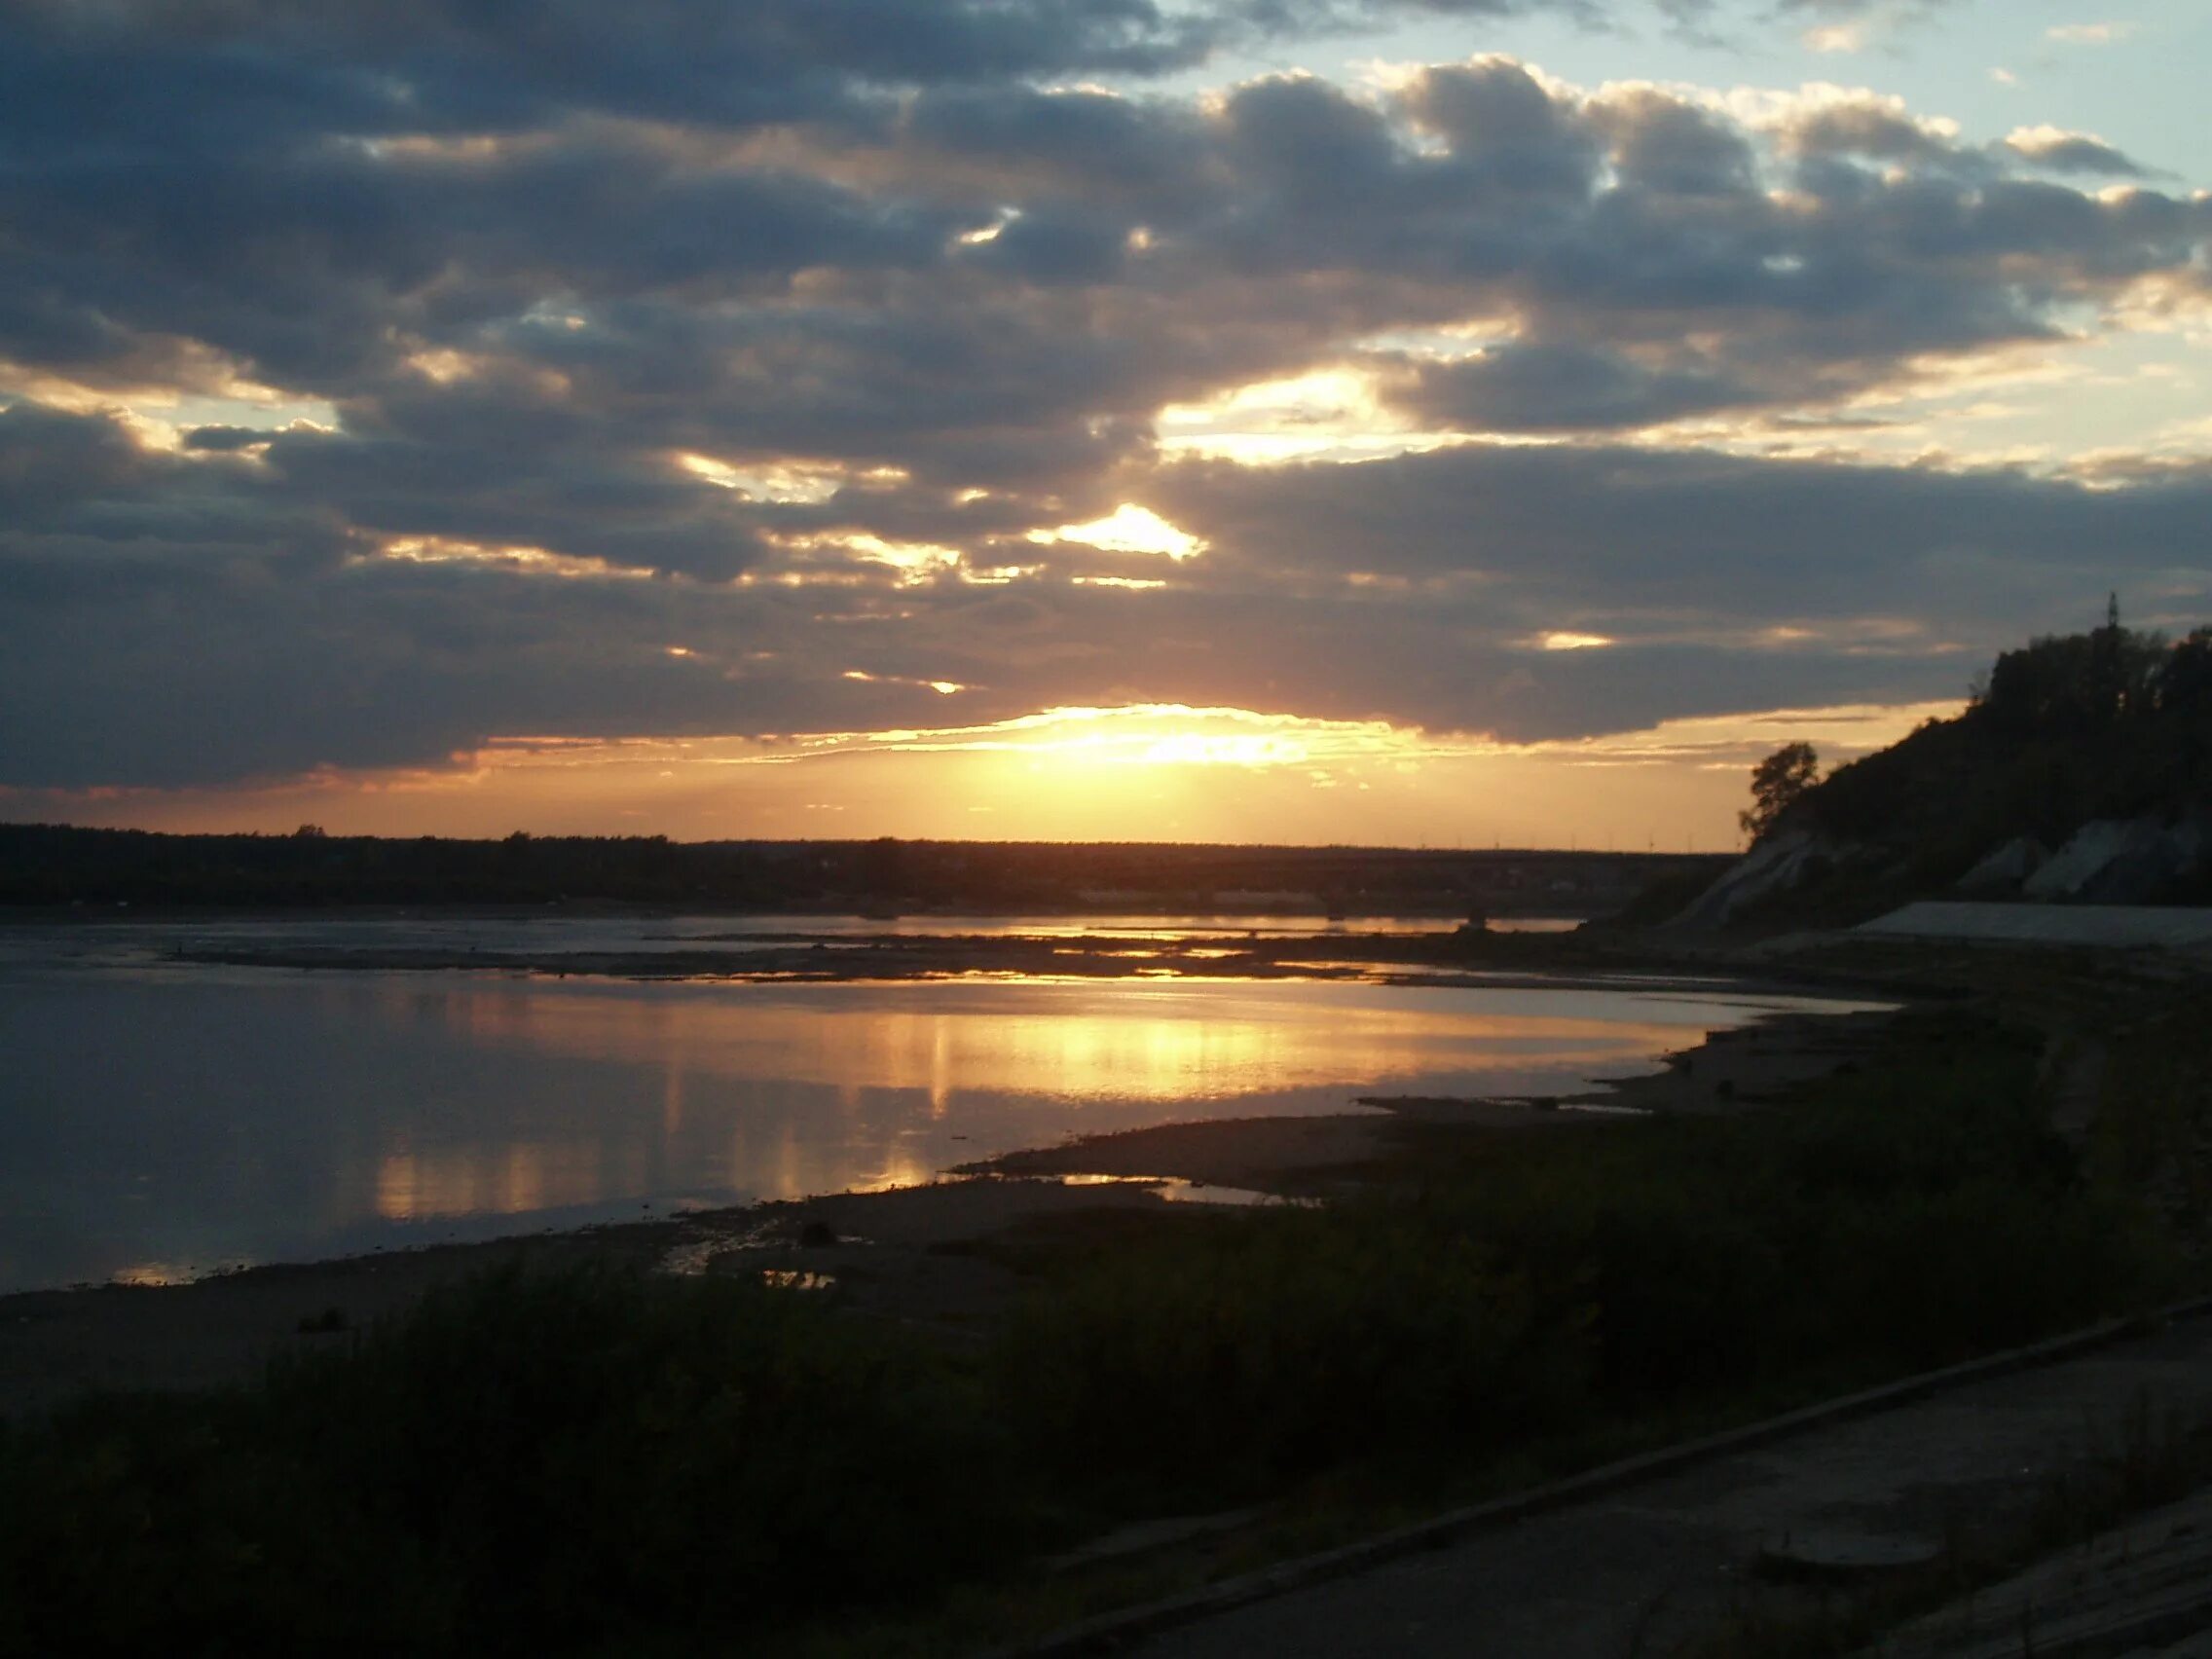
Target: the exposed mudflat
(803, 957)
(1250, 1153)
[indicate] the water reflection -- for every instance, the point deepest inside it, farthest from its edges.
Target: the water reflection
(1073, 1042)
(515, 1179)
(112, 943)
(161, 1122)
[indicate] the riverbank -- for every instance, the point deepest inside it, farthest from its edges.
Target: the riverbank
(767, 955)
(1015, 1365)
(1494, 1292)
(341, 1108)
(641, 944)
(887, 1248)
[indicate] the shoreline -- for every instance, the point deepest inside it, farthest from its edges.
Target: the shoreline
(900, 1253)
(102, 912)
(1443, 959)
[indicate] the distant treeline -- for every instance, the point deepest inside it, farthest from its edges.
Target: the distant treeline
(60, 865)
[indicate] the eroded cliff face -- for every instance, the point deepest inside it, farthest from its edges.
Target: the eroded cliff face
(1778, 865)
(2138, 861)
(2079, 773)
(1789, 875)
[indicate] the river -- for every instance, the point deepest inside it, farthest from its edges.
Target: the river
(162, 1118)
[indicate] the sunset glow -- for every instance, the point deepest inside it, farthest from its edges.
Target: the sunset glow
(1138, 772)
(1127, 529)
(1402, 420)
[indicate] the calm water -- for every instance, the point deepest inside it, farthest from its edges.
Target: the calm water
(161, 1119)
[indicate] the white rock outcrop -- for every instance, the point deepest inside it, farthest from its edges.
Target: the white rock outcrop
(1775, 865)
(2120, 862)
(2007, 869)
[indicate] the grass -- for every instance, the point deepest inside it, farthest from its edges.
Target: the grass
(603, 1463)
(548, 1463)
(1509, 1288)
(2158, 1458)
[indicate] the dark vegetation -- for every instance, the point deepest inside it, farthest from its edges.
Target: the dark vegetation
(527, 1464)
(1778, 782)
(1512, 1286)
(2158, 1459)
(604, 1463)
(59, 865)
(2111, 723)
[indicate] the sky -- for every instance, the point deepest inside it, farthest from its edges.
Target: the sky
(1409, 422)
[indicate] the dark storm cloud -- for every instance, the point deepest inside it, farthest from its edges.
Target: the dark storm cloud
(225, 72)
(186, 623)
(1560, 387)
(1099, 143)
(580, 503)
(2076, 153)
(1704, 18)
(1873, 130)
(1507, 134)
(966, 396)
(1293, 210)
(519, 260)
(1565, 533)
(155, 77)
(51, 462)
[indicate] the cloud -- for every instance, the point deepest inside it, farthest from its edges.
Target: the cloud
(2060, 151)
(1559, 388)
(1845, 38)
(2088, 34)
(992, 272)
(221, 71)
(784, 337)
(171, 621)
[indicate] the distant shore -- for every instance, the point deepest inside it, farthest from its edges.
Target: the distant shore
(1467, 956)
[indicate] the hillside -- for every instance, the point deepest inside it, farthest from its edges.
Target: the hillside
(2081, 771)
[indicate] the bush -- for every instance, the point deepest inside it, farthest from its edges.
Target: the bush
(523, 1463)
(1553, 1281)
(600, 1461)
(1267, 1345)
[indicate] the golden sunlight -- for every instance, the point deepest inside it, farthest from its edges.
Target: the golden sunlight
(1127, 529)
(1565, 640)
(783, 482)
(1140, 771)
(1329, 414)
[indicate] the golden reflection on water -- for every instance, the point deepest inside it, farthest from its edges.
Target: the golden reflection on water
(671, 1099)
(510, 1178)
(901, 1167)
(352, 1112)
(783, 1091)
(1141, 1039)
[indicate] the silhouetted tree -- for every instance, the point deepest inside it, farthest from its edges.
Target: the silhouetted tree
(1776, 784)
(2073, 687)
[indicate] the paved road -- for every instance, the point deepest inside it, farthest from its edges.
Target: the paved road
(1642, 1568)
